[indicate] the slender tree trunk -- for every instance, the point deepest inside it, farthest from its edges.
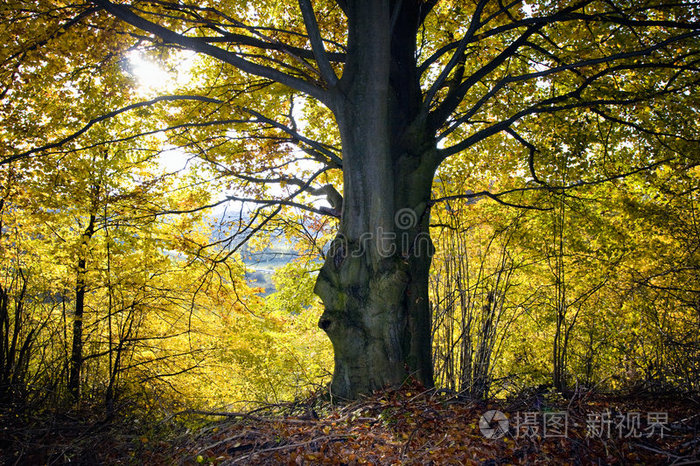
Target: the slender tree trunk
(374, 283)
(561, 335)
(76, 360)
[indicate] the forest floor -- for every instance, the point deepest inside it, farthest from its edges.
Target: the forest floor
(407, 426)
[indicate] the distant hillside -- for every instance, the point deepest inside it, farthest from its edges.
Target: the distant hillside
(261, 265)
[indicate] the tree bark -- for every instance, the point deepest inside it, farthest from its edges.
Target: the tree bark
(76, 359)
(374, 283)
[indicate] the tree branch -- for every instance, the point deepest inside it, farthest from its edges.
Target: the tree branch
(324, 65)
(532, 110)
(125, 14)
(60, 30)
(455, 97)
(456, 56)
(425, 8)
(494, 196)
(545, 187)
(94, 121)
(335, 199)
(336, 57)
(531, 154)
(320, 153)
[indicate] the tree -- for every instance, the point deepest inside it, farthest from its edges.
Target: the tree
(408, 84)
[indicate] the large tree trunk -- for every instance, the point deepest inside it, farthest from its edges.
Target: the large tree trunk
(374, 283)
(374, 286)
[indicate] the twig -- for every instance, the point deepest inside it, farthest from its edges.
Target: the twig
(404, 449)
(661, 452)
(248, 416)
(288, 446)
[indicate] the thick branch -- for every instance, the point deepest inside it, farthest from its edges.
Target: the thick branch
(324, 65)
(453, 99)
(493, 196)
(456, 95)
(542, 107)
(545, 187)
(531, 154)
(536, 23)
(574, 67)
(241, 39)
(335, 199)
(457, 56)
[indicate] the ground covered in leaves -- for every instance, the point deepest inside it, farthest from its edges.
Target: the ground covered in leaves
(426, 427)
(408, 426)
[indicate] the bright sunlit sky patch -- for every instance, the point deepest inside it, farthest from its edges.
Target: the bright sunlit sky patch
(154, 79)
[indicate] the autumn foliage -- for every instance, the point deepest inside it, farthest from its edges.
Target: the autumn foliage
(172, 181)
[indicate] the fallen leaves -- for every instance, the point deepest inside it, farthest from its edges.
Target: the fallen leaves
(392, 427)
(402, 427)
